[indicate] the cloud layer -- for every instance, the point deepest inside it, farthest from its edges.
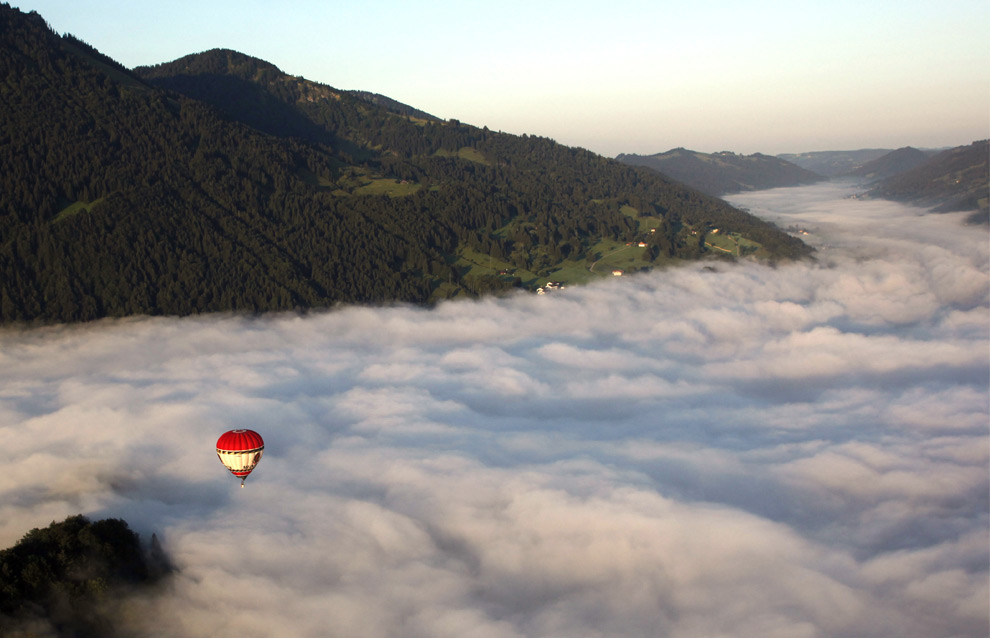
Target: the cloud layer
(744, 451)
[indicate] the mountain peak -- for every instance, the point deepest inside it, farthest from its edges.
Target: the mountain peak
(215, 62)
(894, 162)
(952, 180)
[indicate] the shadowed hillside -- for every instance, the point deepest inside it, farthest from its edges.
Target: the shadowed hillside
(219, 183)
(724, 173)
(894, 162)
(954, 180)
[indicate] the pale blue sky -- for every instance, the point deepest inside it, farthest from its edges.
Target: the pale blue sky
(611, 76)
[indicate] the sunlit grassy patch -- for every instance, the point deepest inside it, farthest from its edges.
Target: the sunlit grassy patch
(313, 179)
(731, 244)
(466, 153)
(387, 186)
(75, 208)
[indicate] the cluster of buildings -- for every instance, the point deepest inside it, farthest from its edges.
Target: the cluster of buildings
(550, 287)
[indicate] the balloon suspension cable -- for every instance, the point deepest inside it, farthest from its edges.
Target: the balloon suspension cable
(242, 481)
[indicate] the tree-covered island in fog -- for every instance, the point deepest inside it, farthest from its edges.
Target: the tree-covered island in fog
(65, 577)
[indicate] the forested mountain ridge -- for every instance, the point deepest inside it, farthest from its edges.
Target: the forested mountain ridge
(724, 173)
(957, 179)
(219, 183)
(894, 162)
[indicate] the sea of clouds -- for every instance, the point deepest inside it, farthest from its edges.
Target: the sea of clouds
(716, 450)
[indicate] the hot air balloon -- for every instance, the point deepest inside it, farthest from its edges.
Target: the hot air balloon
(240, 451)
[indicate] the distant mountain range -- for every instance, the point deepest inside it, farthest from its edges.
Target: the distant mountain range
(834, 163)
(956, 179)
(219, 183)
(951, 180)
(724, 173)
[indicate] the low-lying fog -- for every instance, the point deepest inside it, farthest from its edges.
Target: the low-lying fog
(717, 450)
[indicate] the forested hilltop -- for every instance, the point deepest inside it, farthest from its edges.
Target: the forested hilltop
(894, 162)
(218, 182)
(66, 579)
(957, 179)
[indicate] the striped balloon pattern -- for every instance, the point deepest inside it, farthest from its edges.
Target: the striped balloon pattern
(240, 451)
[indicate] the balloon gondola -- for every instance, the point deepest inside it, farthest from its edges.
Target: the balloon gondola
(240, 451)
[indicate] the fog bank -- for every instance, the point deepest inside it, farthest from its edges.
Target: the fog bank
(720, 449)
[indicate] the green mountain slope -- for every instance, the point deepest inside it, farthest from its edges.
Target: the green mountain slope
(219, 183)
(724, 173)
(954, 180)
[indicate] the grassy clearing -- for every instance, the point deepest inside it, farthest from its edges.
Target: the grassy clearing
(447, 291)
(363, 182)
(313, 179)
(647, 224)
(74, 209)
(612, 255)
(471, 263)
(604, 256)
(465, 153)
(748, 246)
(721, 243)
(387, 186)
(479, 264)
(573, 273)
(732, 244)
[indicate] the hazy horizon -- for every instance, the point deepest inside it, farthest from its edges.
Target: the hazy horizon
(623, 77)
(718, 449)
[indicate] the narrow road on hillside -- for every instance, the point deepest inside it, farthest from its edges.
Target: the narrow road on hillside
(591, 268)
(724, 250)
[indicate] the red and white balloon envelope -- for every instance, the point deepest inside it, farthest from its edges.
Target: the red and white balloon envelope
(240, 451)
